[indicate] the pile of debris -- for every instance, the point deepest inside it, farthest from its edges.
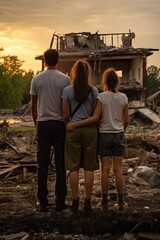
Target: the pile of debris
(21, 219)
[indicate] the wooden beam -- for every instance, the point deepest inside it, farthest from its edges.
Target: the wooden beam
(130, 160)
(9, 169)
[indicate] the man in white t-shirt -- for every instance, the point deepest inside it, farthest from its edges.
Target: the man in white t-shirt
(46, 91)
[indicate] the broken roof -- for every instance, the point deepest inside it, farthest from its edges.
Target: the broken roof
(97, 45)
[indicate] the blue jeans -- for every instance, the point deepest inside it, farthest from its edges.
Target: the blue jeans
(51, 133)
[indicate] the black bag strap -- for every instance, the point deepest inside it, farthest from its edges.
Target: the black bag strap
(78, 106)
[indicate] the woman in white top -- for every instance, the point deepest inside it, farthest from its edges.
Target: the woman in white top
(112, 113)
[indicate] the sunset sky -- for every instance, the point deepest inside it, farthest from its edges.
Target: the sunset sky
(26, 26)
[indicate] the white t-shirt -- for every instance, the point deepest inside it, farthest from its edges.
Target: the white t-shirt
(48, 87)
(111, 120)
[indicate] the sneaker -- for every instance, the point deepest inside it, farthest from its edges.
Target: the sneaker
(103, 205)
(60, 208)
(120, 206)
(42, 205)
(75, 205)
(87, 206)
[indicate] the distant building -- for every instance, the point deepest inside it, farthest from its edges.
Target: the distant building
(106, 50)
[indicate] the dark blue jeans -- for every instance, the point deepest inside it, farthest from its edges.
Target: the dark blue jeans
(51, 133)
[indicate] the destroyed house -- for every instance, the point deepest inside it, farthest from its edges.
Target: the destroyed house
(103, 51)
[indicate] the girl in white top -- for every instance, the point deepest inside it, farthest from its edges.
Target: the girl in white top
(112, 113)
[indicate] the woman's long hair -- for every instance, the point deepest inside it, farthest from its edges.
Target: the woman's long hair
(110, 80)
(81, 74)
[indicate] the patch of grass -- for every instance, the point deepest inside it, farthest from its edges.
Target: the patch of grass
(24, 130)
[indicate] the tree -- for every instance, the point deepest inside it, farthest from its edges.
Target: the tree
(13, 65)
(6, 90)
(26, 86)
(154, 71)
(14, 83)
(153, 80)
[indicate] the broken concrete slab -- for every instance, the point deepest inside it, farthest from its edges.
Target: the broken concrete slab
(146, 112)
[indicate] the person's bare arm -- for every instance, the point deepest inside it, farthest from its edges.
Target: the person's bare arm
(87, 121)
(66, 110)
(125, 116)
(34, 108)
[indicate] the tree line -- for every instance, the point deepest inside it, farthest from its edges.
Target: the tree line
(153, 80)
(15, 82)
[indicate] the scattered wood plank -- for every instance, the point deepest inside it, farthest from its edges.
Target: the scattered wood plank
(25, 168)
(11, 188)
(149, 236)
(13, 148)
(130, 159)
(8, 170)
(29, 165)
(16, 236)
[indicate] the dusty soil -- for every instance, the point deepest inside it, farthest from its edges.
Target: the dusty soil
(19, 213)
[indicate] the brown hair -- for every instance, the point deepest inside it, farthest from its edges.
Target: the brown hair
(110, 80)
(51, 57)
(81, 74)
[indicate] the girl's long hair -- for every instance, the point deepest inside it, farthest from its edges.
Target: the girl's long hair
(81, 74)
(110, 80)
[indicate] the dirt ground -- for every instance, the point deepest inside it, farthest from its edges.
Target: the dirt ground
(20, 217)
